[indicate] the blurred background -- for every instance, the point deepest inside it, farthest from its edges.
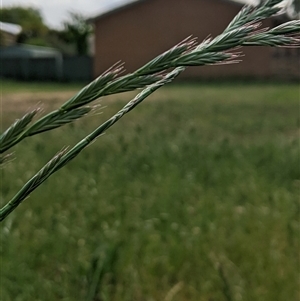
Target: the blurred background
(63, 41)
(193, 196)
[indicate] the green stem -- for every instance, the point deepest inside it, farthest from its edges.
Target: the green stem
(63, 157)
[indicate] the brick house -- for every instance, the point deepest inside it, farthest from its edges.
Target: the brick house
(140, 30)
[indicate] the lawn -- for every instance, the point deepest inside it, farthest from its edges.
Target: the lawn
(193, 196)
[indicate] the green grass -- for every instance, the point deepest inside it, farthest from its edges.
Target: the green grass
(197, 190)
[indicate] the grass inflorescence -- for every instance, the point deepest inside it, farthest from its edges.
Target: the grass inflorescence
(242, 31)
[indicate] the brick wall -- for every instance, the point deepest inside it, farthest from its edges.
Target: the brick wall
(139, 32)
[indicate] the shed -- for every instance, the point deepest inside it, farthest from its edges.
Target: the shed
(30, 62)
(138, 31)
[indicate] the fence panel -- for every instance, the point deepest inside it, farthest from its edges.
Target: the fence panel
(54, 68)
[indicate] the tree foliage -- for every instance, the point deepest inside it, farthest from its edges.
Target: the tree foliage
(293, 9)
(77, 31)
(29, 18)
(296, 7)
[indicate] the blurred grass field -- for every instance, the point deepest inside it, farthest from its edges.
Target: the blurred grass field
(193, 196)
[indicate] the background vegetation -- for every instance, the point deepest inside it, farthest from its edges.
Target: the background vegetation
(70, 40)
(195, 197)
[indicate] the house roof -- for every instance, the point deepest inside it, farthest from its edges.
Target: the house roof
(13, 29)
(127, 3)
(27, 51)
(115, 8)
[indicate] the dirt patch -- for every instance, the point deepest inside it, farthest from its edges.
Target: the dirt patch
(23, 102)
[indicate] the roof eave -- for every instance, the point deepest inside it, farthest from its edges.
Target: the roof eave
(115, 10)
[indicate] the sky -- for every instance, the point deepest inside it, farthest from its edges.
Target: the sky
(54, 12)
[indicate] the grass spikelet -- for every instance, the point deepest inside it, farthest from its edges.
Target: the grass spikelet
(89, 93)
(57, 120)
(15, 130)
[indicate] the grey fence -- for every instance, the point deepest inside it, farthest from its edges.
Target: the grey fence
(79, 68)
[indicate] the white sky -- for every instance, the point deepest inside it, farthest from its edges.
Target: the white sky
(54, 12)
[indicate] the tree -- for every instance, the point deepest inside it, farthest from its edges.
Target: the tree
(29, 18)
(293, 9)
(77, 31)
